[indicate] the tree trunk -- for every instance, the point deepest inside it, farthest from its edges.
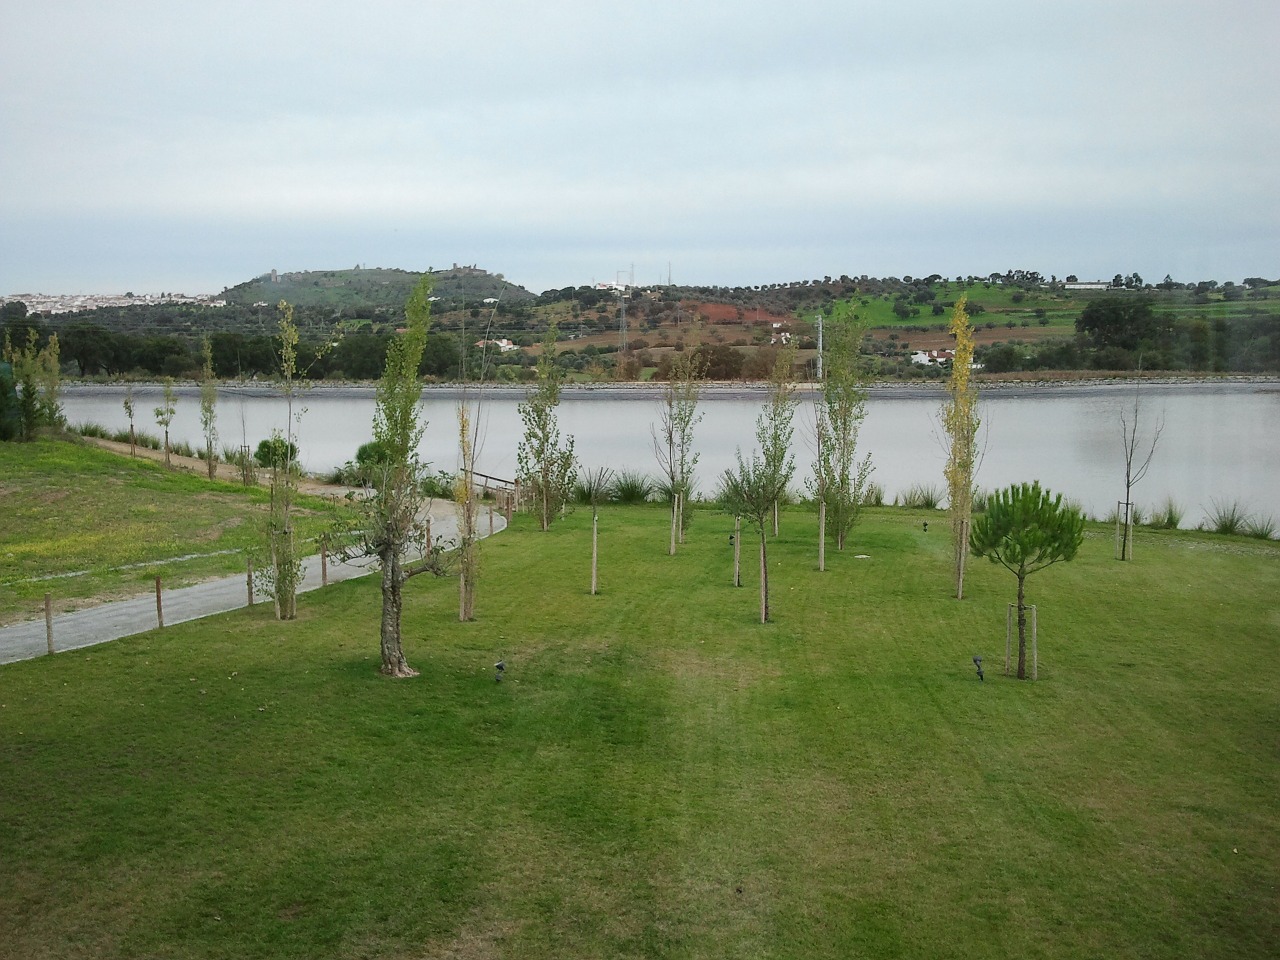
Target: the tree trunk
(595, 550)
(133, 441)
(1022, 628)
(166, 448)
(393, 661)
(210, 464)
(775, 518)
(962, 552)
(822, 535)
(764, 579)
(680, 517)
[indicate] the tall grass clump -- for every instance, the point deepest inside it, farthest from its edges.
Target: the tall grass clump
(593, 487)
(1168, 515)
(1229, 518)
(922, 496)
(873, 496)
(632, 486)
(1263, 528)
(93, 430)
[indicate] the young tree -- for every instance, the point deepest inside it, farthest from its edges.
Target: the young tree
(282, 576)
(209, 410)
(1024, 529)
(129, 412)
(751, 490)
(392, 524)
(840, 479)
(547, 467)
(1135, 465)
(464, 495)
(164, 415)
(674, 448)
(960, 420)
(598, 484)
(774, 428)
(37, 374)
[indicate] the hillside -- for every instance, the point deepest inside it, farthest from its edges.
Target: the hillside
(371, 288)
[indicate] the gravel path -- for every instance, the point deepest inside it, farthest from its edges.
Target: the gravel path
(124, 618)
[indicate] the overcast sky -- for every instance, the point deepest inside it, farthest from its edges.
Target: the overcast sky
(191, 145)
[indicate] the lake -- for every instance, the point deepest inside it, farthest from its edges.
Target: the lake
(1219, 441)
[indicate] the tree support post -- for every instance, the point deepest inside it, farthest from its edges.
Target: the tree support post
(159, 605)
(324, 561)
(1124, 530)
(822, 535)
(248, 581)
(48, 621)
(737, 551)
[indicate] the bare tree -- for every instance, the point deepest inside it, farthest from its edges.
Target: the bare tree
(674, 447)
(1136, 464)
(598, 484)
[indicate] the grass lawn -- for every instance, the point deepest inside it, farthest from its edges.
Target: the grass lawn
(118, 522)
(660, 775)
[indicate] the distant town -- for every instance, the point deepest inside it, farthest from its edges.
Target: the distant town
(75, 302)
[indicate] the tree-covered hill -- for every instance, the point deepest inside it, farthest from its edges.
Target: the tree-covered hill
(372, 288)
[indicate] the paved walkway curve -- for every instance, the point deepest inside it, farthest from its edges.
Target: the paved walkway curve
(124, 618)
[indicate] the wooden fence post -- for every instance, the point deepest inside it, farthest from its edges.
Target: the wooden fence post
(48, 621)
(159, 605)
(324, 561)
(248, 582)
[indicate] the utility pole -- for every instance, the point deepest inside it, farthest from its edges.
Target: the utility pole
(819, 347)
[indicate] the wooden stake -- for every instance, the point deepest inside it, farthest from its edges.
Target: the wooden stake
(159, 605)
(324, 561)
(248, 582)
(48, 621)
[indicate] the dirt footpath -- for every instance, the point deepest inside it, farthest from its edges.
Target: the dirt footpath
(228, 472)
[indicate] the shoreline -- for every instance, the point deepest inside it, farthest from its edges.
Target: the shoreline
(719, 389)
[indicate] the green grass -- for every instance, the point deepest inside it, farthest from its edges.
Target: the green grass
(661, 776)
(119, 523)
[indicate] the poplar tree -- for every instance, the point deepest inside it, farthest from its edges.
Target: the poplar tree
(960, 421)
(840, 479)
(209, 410)
(546, 463)
(164, 415)
(774, 429)
(674, 447)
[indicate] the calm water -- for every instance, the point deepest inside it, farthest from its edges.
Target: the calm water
(1219, 443)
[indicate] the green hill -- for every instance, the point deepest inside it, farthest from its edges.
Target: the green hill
(372, 287)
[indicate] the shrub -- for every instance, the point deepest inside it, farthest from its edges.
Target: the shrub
(439, 485)
(181, 449)
(92, 430)
(276, 451)
(632, 486)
